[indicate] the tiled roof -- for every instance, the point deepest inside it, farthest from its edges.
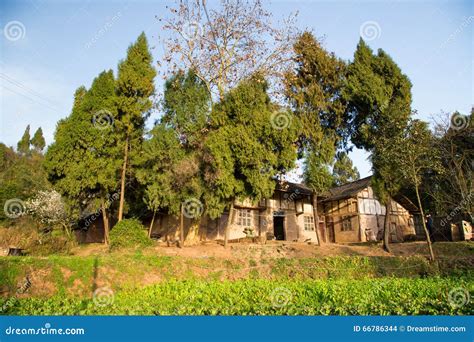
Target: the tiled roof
(347, 190)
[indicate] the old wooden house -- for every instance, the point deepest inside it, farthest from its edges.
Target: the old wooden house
(288, 215)
(349, 213)
(354, 214)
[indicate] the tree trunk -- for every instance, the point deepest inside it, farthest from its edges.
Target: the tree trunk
(428, 239)
(229, 222)
(105, 219)
(316, 218)
(151, 224)
(122, 181)
(181, 228)
(386, 226)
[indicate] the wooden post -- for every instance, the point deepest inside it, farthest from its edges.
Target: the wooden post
(229, 222)
(151, 224)
(316, 217)
(386, 226)
(428, 238)
(105, 220)
(181, 228)
(122, 182)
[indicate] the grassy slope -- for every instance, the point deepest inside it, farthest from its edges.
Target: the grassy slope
(143, 283)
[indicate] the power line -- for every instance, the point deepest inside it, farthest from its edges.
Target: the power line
(25, 88)
(31, 99)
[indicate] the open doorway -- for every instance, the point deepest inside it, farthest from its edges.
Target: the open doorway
(279, 227)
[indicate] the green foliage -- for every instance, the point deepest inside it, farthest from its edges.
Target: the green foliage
(314, 91)
(387, 296)
(343, 170)
(376, 90)
(83, 162)
(23, 146)
(186, 105)
(21, 176)
(35, 242)
(316, 169)
(129, 233)
(38, 141)
(170, 161)
(134, 88)
(169, 173)
(246, 148)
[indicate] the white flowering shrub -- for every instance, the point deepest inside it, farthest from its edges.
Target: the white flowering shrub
(49, 208)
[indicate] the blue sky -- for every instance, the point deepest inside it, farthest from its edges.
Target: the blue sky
(65, 44)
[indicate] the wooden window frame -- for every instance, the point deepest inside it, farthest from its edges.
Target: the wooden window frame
(244, 217)
(344, 221)
(309, 223)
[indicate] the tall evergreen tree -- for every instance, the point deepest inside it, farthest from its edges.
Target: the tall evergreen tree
(38, 141)
(314, 90)
(134, 88)
(343, 170)
(186, 107)
(84, 161)
(378, 99)
(317, 164)
(375, 89)
(23, 145)
(244, 150)
(169, 165)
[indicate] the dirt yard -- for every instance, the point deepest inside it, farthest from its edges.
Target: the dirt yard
(284, 249)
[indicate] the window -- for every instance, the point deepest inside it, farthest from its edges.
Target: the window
(309, 223)
(346, 223)
(244, 217)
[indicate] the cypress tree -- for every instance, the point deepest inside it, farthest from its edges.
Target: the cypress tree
(343, 170)
(378, 99)
(84, 161)
(134, 88)
(245, 149)
(23, 145)
(38, 141)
